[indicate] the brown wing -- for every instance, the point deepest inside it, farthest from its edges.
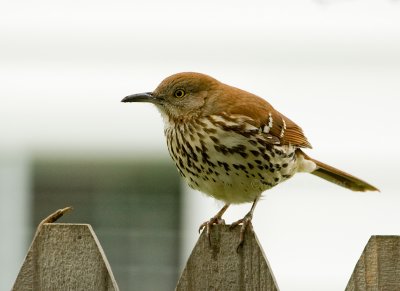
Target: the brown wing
(287, 131)
(262, 114)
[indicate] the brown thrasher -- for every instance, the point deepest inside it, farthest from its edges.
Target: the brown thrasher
(231, 144)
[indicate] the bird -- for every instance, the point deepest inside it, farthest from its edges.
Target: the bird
(231, 144)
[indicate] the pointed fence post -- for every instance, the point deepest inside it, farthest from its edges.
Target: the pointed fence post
(220, 267)
(379, 265)
(65, 257)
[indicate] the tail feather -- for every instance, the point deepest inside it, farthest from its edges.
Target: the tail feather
(339, 177)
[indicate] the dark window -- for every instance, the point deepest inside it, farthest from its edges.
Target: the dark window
(133, 206)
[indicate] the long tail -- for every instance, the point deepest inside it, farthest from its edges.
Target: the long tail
(339, 177)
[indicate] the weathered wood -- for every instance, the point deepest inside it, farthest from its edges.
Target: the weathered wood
(65, 257)
(378, 267)
(220, 267)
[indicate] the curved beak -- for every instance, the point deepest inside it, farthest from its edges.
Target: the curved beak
(141, 97)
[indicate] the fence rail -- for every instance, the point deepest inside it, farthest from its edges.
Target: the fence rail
(70, 257)
(379, 265)
(65, 257)
(220, 267)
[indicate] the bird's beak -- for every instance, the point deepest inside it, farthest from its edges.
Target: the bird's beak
(141, 97)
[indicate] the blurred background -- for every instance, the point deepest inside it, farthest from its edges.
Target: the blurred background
(66, 139)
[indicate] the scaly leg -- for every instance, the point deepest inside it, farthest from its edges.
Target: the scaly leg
(246, 222)
(216, 219)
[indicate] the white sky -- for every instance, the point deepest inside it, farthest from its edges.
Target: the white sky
(331, 66)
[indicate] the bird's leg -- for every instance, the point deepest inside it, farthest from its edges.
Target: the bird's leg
(246, 222)
(216, 219)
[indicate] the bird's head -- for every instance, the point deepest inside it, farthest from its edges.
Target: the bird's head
(180, 96)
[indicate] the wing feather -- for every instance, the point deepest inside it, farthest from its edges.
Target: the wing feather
(262, 115)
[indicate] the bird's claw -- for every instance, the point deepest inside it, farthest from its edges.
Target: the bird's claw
(214, 220)
(245, 222)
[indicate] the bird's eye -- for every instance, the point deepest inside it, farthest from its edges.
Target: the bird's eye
(179, 93)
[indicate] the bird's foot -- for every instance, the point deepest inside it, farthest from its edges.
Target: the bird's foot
(244, 222)
(215, 220)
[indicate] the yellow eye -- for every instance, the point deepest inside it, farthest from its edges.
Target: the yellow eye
(179, 93)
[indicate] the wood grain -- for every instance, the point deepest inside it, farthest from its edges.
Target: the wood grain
(378, 267)
(220, 267)
(65, 257)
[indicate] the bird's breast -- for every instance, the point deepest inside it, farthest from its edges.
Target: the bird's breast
(231, 161)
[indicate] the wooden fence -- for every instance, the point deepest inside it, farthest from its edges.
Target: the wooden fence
(69, 257)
